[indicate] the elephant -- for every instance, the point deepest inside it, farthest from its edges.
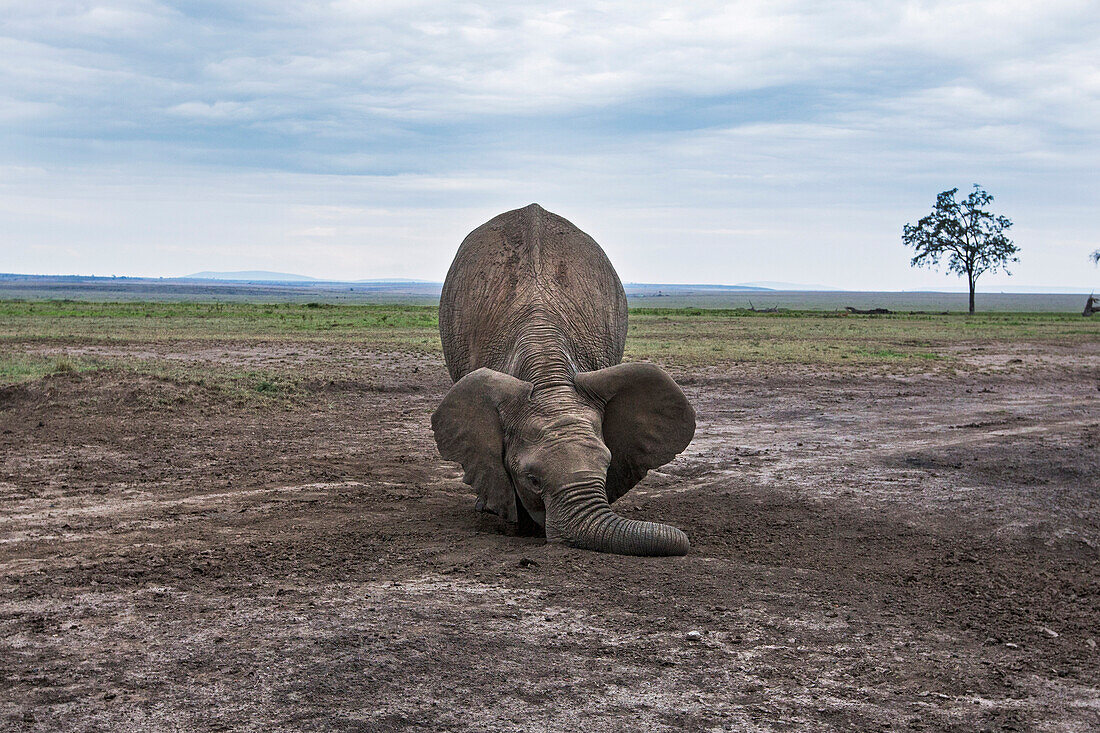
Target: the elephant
(549, 427)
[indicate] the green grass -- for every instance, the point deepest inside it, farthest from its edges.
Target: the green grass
(676, 335)
(65, 319)
(239, 385)
(692, 335)
(17, 367)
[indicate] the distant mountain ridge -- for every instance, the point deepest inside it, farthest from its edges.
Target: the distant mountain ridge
(250, 276)
(175, 289)
(268, 279)
(770, 285)
(681, 287)
(256, 276)
(268, 276)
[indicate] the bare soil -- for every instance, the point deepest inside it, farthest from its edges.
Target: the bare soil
(871, 551)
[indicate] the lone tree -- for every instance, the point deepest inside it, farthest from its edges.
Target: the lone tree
(1090, 304)
(973, 238)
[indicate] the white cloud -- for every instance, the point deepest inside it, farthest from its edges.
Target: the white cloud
(212, 111)
(445, 58)
(721, 124)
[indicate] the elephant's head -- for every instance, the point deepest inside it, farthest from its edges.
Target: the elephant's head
(568, 451)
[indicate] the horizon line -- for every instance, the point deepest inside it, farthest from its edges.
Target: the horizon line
(306, 280)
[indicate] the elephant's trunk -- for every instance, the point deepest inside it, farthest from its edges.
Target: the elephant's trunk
(581, 517)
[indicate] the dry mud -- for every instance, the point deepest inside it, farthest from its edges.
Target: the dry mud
(869, 552)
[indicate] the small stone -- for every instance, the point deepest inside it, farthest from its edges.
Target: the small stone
(694, 635)
(1010, 645)
(1091, 642)
(1049, 632)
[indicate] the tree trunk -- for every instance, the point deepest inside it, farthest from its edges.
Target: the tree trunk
(971, 296)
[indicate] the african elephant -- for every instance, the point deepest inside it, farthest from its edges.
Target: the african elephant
(549, 427)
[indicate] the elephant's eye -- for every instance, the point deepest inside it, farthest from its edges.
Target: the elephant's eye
(533, 479)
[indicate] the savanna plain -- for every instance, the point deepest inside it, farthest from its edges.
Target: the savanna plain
(233, 517)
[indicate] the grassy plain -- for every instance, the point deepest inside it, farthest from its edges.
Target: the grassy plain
(680, 336)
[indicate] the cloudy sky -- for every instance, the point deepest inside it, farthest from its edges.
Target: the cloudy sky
(703, 142)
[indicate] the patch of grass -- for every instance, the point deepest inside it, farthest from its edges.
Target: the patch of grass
(240, 386)
(66, 319)
(676, 335)
(692, 335)
(17, 367)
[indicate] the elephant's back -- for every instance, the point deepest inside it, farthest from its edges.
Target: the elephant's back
(529, 269)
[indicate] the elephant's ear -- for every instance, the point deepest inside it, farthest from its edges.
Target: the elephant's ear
(468, 429)
(647, 420)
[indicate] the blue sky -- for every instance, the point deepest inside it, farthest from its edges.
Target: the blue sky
(703, 142)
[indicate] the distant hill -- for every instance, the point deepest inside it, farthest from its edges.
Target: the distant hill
(739, 287)
(302, 286)
(264, 276)
(770, 285)
(688, 287)
(307, 290)
(1023, 289)
(250, 276)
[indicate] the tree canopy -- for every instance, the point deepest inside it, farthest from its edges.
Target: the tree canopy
(972, 238)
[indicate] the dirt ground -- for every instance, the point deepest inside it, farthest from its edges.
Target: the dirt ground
(870, 551)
